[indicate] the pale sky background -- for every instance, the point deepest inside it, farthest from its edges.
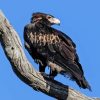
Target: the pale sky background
(80, 19)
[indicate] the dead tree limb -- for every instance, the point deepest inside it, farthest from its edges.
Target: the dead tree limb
(23, 69)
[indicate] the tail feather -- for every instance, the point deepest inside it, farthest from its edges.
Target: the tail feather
(83, 83)
(74, 71)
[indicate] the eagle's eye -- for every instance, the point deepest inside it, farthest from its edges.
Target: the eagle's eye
(48, 17)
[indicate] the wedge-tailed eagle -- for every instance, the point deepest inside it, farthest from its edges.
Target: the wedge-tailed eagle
(51, 47)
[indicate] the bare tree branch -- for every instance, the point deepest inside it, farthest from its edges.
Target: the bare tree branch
(21, 66)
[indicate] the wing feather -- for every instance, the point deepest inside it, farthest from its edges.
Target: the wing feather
(65, 54)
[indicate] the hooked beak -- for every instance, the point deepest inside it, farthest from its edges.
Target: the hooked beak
(54, 21)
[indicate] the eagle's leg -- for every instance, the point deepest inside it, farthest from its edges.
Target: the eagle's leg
(42, 68)
(53, 73)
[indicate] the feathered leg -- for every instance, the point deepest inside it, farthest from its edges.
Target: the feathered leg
(42, 68)
(53, 74)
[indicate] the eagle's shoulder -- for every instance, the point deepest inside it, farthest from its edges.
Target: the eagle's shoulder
(64, 37)
(29, 27)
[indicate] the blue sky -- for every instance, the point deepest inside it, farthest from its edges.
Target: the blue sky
(80, 19)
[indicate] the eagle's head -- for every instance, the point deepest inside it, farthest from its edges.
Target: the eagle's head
(43, 18)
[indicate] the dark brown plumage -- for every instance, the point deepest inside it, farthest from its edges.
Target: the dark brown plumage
(53, 48)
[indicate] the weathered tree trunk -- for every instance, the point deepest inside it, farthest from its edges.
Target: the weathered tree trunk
(13, 49)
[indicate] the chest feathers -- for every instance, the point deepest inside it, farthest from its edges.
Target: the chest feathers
(43, 39)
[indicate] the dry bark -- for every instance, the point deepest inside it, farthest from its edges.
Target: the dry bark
(23, 69)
